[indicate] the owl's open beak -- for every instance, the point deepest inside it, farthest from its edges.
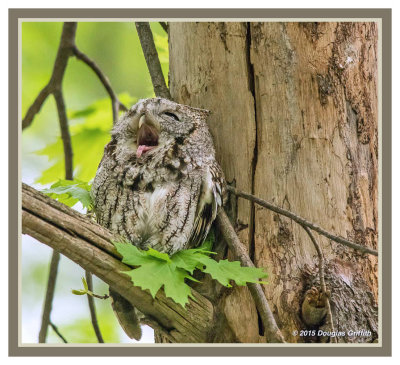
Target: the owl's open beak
(142, 120)
(147, 136)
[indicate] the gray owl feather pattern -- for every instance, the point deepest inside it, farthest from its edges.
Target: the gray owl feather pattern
(158, 184)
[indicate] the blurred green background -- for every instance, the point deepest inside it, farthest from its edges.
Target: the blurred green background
(115, 47)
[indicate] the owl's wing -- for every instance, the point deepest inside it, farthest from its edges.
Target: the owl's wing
(210, 199)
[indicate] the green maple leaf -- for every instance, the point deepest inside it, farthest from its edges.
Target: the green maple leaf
(69, 192)
(158, 270)
(191, 259)
(131, 255)
(188, 261)
(154, 275)
(159, 255)
(224, 271)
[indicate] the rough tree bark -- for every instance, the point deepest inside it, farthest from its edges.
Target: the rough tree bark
(294, 122)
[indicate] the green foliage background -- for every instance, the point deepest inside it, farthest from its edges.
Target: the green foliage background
(116, 49)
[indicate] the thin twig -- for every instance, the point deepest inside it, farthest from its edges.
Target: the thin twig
(152, 60)
(301, 221)
(36, 106)
(272, 332)
(329, 317)
(55, 329)
(115, 102)
(48, 303)
(164, 26)
(92, 308)
(105, 296)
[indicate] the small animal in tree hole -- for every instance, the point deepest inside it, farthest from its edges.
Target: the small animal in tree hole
(314, 309)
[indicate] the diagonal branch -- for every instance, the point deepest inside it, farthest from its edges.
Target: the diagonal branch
(36, 106)
(115, 102)
(90, 245)
(153, 63)
(301, 221)
(272, 332)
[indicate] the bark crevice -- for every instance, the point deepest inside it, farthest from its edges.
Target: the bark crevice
(252, 89)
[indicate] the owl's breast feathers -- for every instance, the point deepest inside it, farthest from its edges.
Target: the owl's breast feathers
(168, 203)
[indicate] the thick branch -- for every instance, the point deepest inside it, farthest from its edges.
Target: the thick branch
(153, 63)
(90, 246)
(272, 332)
(302, 221)
(116, 104)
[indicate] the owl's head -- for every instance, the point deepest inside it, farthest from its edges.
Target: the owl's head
(154, 123)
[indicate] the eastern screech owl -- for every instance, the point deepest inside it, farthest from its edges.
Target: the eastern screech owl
(158, 184)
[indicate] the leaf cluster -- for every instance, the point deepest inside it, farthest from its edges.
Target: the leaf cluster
(154, 270)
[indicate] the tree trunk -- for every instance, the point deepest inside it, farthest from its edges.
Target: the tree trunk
(294, 121)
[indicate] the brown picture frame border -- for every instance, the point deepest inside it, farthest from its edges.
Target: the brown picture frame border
(212, 349)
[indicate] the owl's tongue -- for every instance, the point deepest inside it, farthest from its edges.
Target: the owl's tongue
(147, 139)
(143, 148)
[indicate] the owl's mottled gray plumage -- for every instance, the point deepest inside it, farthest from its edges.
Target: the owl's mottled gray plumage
(158, 184)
